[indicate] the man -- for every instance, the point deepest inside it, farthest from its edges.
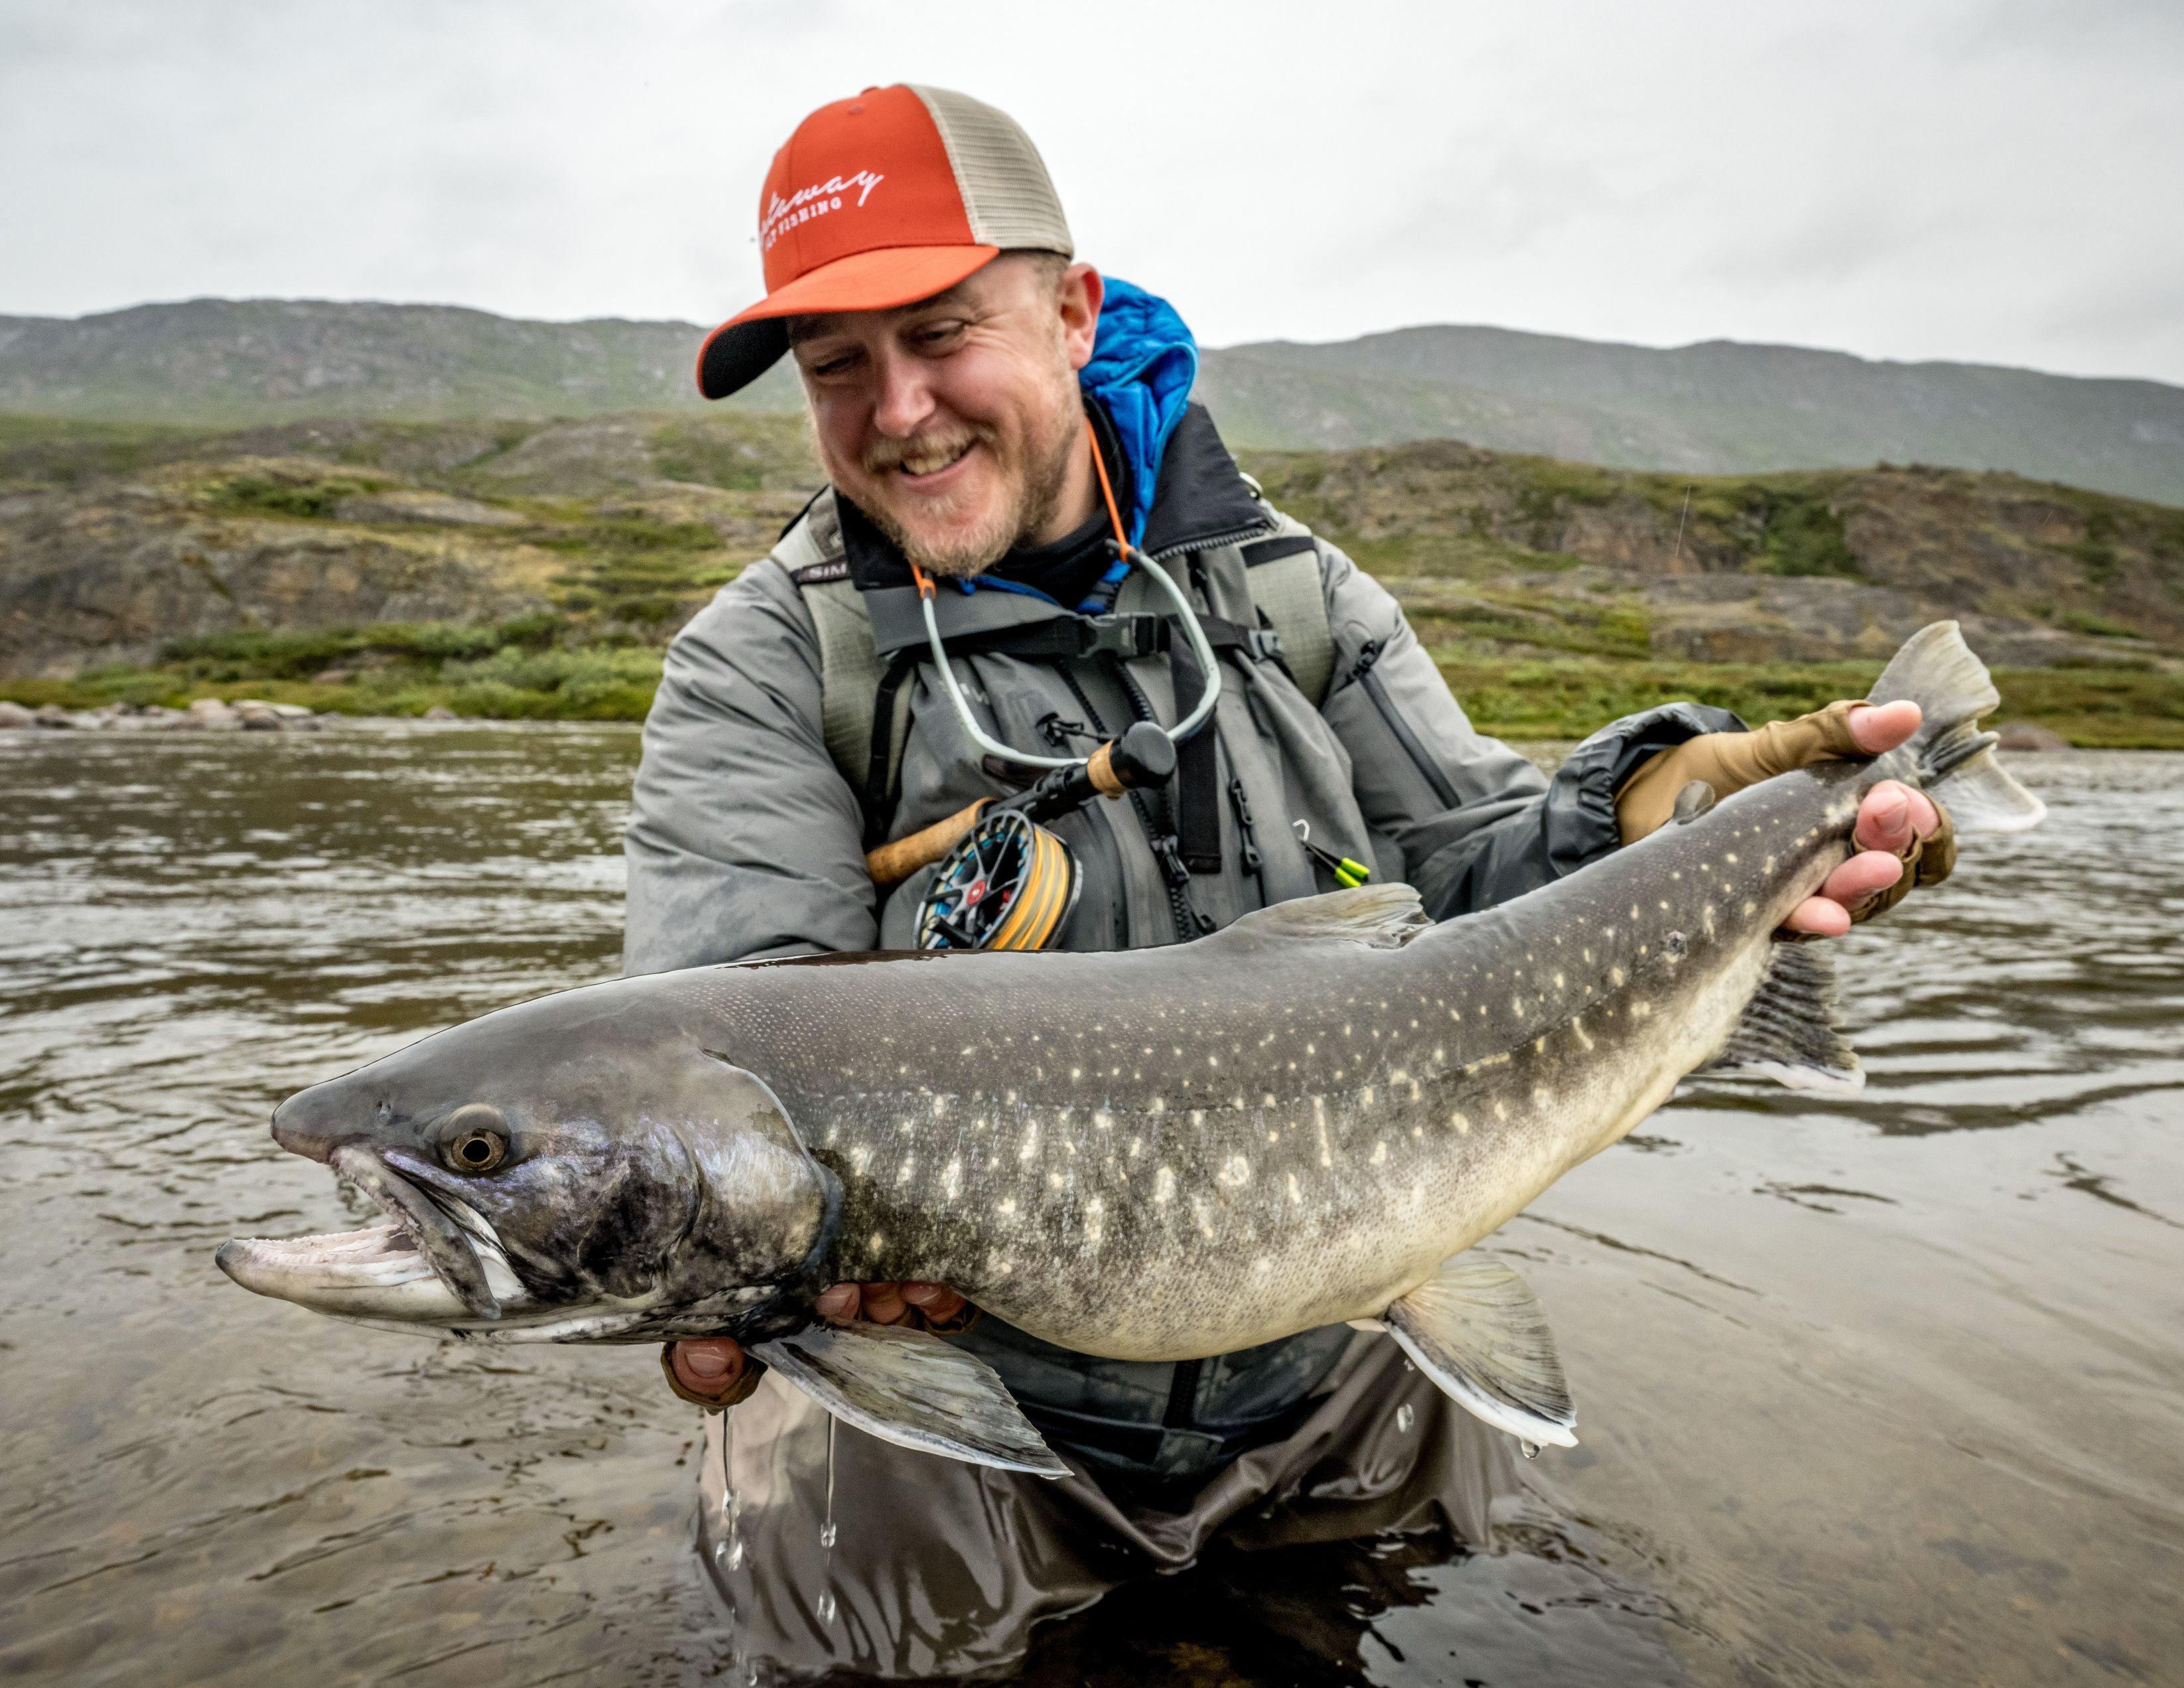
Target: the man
(961, 372)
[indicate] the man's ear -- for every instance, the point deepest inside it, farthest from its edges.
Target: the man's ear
(1082, 294)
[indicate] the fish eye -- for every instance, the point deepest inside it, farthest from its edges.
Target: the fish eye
(476, 1139)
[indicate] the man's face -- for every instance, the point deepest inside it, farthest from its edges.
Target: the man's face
(955, 423)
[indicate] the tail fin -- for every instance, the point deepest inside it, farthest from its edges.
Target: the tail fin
(1936, 670)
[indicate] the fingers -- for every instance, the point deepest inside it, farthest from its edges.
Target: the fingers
(1876, 727)
(1868, 872)
(1892, 815)
(1828, 915)
(839, 1301)
(884, 1305)
(937, 1302)
(890, 1303)
(1818, 918)
(708, 1366)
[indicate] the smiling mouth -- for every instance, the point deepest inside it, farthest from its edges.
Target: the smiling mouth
(418, 1264)
(924, 466)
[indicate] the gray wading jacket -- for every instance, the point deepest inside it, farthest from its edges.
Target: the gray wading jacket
(747, 838)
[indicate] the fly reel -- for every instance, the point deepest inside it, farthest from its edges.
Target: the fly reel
(1009, 885)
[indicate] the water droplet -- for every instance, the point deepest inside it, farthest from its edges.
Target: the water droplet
(1408, 1366)
(1404, 1417)
(826, 1605)
(827, 1532)
(1530, 1449)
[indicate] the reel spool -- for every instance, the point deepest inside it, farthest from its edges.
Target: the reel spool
(1009, 885)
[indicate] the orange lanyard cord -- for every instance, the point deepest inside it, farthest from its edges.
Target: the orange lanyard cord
(1107, 489)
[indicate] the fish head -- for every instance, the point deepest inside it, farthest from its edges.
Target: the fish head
(581, 1167)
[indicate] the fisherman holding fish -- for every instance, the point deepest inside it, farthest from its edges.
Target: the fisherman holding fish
(1018, 477)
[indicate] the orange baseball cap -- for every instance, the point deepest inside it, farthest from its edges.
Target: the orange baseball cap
(881, 201)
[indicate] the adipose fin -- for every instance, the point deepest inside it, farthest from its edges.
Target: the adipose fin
(1476, 1330)
(910, 1388)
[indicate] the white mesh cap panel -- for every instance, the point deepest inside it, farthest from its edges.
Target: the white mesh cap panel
(1006, 188)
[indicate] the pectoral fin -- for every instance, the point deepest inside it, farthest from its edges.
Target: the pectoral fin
(910, 1388)
(1476, 1330)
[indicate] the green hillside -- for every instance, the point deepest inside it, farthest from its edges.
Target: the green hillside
(521, 568)
(1717, 408)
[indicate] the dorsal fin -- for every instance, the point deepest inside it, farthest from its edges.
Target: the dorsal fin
(1382, 917)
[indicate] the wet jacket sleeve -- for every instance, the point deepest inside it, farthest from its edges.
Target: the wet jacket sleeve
(1477, 823)
(744, 841)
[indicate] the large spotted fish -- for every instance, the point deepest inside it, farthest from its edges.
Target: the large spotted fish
(1158, 1154)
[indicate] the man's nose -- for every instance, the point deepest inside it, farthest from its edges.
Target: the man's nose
(904, 402)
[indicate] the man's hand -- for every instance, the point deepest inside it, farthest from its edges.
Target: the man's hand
(714, 1371)
(1895, 823)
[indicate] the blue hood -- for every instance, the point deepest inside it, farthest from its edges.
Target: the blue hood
(1144, 364)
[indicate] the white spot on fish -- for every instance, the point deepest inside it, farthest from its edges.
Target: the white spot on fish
(1379, 1153)
(1615, 976)
(1159, 1105)
(1296, 1190)
(1095, 1221)
(1202, 1210)
(952, 1179)
(1029, 1146)
(1365, 1097)
(1500, 1111)
(940, 1107)
(1235, 1172)
(1163, 1186)
(861, 1157)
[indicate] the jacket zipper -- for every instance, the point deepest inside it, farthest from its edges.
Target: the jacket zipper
(1364, 673)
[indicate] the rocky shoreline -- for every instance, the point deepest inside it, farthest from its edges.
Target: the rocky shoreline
(204, 715)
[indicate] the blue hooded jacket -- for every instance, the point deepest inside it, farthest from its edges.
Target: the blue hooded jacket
(1144, 364)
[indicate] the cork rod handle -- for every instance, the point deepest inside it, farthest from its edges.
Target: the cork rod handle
(894, 862)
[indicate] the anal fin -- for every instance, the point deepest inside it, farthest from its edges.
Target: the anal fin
(1476, 1330)
(910, 1388)
(1789, 1033)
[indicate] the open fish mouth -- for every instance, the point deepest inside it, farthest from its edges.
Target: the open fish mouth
(421, 1264)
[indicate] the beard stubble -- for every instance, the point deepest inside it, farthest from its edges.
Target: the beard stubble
(1034, 480)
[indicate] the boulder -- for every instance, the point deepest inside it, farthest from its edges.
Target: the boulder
(441, 712)
(213, 716)
(14, 715)
(257, 715)
(53, 714)
(2025, 735)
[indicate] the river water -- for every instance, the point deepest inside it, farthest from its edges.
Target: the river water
(1888, 1388)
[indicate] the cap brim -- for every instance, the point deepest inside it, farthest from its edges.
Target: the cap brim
(747, 344)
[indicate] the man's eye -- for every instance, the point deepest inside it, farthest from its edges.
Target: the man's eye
(841, 363)
(937, 333)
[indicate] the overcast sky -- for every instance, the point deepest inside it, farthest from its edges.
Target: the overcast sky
(1997, 181)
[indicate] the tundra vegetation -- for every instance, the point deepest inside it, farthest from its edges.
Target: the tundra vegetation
(529, 568)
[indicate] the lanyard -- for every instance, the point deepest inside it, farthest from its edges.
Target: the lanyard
(1207, 666)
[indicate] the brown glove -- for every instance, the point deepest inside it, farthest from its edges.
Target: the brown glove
(1729, 761)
